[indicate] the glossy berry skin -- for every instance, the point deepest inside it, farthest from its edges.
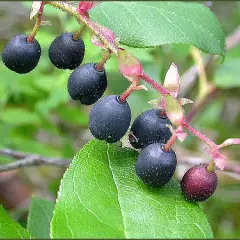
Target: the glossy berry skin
(66, 53)
(198, 184)
(109, 119)
(87, 84)
(21, 56)
(154, 166)
(149, 127)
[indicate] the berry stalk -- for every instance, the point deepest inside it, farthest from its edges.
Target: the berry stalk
(127, 93)
(211, 166)
(167, 147)
(78, 34)
(106, 56)
(37, 24)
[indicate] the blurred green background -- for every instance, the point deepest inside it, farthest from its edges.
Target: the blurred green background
(38, 116)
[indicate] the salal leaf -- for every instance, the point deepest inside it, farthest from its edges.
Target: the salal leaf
(101, 197)
(39, 218)
(10, 228)
(148, 24)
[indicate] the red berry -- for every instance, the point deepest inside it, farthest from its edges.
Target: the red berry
(198, 184)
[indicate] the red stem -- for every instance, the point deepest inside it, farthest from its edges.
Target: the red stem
(169, 144)
(155, 85)
(199, 135)
(171, 141)
(127, 93)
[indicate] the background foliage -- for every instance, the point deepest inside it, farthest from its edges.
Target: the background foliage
(37, 115)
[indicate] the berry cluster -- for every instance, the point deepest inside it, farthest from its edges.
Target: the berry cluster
(110, 117)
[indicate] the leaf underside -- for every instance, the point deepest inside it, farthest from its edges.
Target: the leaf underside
(101, 197)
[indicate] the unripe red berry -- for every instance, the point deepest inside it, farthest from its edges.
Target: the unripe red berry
(198, 184)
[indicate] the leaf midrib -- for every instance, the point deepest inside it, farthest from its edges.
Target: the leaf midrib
(88, 209)
(115, 183)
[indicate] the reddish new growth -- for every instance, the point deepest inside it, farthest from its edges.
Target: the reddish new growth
(131, 68)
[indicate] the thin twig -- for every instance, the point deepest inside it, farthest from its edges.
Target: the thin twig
(27, 160)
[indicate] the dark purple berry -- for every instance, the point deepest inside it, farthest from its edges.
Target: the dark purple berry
(109, 119)
(149, 127)
(154, 166)
(87, 84)
(21, 56)
(66, 53)
(198, 184)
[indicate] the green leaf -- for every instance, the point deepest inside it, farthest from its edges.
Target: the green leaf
(149, 24)
(39, 218)
(227, 75)
(9, 228)
(101, 197)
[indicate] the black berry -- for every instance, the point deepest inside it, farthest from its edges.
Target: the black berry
(21, 56)
(154, 166)
(198, 184)
(149, 127)
(87, 84)
(109, 119)
(66, 53)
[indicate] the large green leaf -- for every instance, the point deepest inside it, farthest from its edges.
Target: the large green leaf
(101, 197)
(148, 24)
(227, 75)
(9, 228)
(39, 217)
